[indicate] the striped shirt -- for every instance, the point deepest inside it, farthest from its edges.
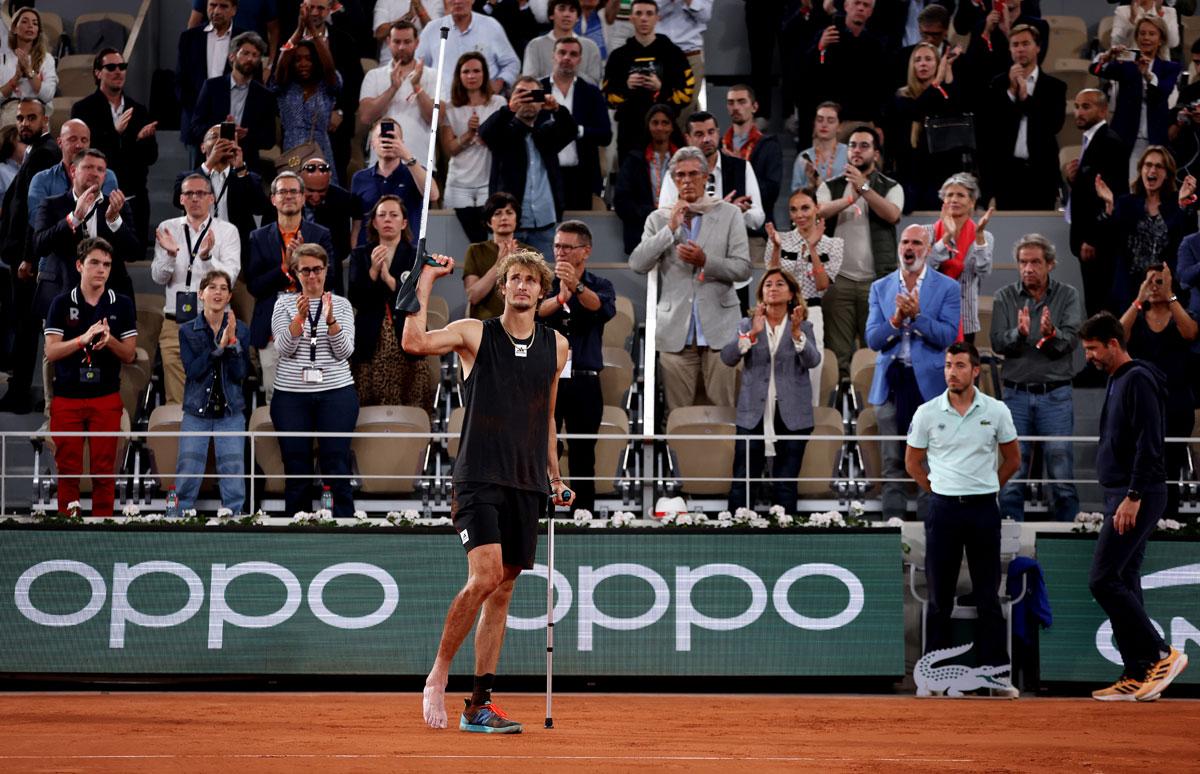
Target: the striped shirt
(295, 355)
(977, 263)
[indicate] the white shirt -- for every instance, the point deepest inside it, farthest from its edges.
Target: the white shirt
(754, 217)
(684, 23)
(218, 50)
(403, 107)
(91, 222)
(568, 156)
(388, 11)
(220, 182)
(484, 34)
(116, 111)
(172, 270)
(1021, 146)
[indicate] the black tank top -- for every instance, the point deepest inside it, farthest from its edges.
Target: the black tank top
(506, 424)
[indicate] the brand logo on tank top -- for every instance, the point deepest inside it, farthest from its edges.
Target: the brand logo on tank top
(465, 537)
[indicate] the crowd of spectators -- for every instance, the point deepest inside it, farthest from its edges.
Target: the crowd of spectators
(292, 241)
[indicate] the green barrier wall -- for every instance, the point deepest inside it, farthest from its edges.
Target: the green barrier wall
(1079, 646)
(343, 602)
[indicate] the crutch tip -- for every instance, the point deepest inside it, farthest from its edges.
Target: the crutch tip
(549, 722)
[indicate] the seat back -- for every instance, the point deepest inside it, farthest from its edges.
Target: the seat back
(867, 424)
(134, 378)
(618, 329)
(94, 31)
(390, 456)
(1191, 31)
(829, 377)
(266, 452)
(862, 371)
(75, 75)
(1104, 32)
(701, 457)
(1068, 36)
(454, 425)
(437, 316)
(820, 457)
(617, 375)
(983, 339)
(1073, 71)
(164, 450)
(60, 112)
(609, 451)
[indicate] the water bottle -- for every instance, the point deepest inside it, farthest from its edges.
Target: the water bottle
(327, 499)
(172, 504)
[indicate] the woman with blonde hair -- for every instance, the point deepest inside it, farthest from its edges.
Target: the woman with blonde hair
(26, 67)
(961, 248)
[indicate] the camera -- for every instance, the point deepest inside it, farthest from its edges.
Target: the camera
(642, 68)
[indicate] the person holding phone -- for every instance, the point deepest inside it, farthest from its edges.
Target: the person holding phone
(314, 388)
(776, 347)
(215, 348)
(398, 172)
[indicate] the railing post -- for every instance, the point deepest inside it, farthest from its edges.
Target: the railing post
(253, 475)
(650, 389)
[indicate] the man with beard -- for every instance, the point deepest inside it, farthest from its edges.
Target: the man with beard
(403, 89)
(958, 435)
(239, 98)
(540, 54)
(699, 247)
(744, 140)
(1129, 465)
(862, 207)
(914, 317)
(729, 177)
(507, 463)
(204, 52)
(579, 162)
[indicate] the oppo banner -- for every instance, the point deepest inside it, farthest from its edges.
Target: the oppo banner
(372, 602)
(1079, 646)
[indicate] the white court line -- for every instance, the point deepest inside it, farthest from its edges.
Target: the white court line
(431, 756)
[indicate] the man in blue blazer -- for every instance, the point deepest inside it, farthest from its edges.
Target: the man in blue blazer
(254, 113)
(587, 106)
(913, 317)
(271, 248)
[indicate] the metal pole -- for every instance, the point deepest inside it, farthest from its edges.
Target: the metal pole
(253, 475)
(550, 616)
(4, 475)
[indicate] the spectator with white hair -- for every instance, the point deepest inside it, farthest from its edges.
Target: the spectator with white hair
(961, 247)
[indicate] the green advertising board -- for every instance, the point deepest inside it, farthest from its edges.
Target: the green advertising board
(1079, 646)
(285, 601)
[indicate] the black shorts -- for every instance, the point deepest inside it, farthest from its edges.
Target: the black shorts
(491, 513)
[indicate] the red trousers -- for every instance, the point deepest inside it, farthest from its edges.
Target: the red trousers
(101, 414)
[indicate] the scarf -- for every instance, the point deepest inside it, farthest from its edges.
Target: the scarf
(751, 140)
(953, 267)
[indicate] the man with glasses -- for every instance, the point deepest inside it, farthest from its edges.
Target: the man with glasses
(578, 306)
(122, 129)
(700, 249)
(268, 272)
(862, 207)
(185, 250)
(333, 207)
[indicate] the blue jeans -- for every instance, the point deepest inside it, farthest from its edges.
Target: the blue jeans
(328, 411)
(230, 454)
(1048, 414)
(541, 240)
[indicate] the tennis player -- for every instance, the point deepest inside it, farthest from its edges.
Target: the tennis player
(506, 454)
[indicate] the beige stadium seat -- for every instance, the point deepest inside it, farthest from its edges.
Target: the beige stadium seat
(1074, 72)
(60, 113)
(983, 339)
(124, 19)
(164, 450)
(862, 371)
(618, 329)
(703, 458)
(134, 378)
(52, 28)
(1066, 155)
(1104, 33)
(149, 322)
(390, 456)
(368, 64)
(1070, 133)
(867, 424)
(266, 453)
(829, 376)
(820, 457)
(454, 425)
(1068, 36)
(1191, 31)
(609, 451)
(85, 484)
(75, 75)
(616, 376)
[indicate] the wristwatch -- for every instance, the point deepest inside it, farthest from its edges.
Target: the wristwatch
(865, 187)
(580, 287)
(1134, 496)
(411, 162)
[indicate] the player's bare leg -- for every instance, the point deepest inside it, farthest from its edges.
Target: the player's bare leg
(489, 634)
(485, 572)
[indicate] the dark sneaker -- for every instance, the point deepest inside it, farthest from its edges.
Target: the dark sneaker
(487, 719)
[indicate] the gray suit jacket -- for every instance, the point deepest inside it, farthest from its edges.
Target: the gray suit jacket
(723, 239)
(793, 389)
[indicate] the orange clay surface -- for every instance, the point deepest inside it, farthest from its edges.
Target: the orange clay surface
(595, 733)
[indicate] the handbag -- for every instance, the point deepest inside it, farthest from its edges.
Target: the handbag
(950, 133)
(291, 159)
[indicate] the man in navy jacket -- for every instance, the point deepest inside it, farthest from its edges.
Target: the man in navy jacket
(580, 160)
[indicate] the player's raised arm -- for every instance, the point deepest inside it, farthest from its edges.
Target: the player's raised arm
(461, 336)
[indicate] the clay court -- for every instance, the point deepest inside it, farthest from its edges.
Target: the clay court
(334, 732)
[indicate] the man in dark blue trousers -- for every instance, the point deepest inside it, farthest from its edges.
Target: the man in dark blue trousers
(1129, 466)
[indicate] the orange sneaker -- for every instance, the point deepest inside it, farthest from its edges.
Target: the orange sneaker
(1161, 674)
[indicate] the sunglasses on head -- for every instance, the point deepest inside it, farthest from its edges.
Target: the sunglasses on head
(315, 167)
(114, 66)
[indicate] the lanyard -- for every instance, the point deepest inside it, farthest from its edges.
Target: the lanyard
(221, 193)
(193, 251)
(312, 341)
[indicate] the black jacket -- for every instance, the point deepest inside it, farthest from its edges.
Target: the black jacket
(1107, 156)
(505, 136)
(191, 68)
(128, 157)
(43, 153)
(634, 198)
(591, 113)
(265, 277)
(1045, 109)
(1133, 425)
(259, 116)
(335, 212)
(371, 298)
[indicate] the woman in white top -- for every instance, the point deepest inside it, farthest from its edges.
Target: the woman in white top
(314, 390)
(471, 102)
(26, 68)
(961, 248)
(793, 251)
(1126, 17)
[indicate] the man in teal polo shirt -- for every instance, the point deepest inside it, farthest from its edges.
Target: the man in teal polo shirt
(958, 434)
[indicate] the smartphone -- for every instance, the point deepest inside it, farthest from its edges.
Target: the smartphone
(387, 128)
(535, 95)
(228, 130)
(1128, 55)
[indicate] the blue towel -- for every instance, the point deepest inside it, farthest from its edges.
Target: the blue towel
(1035, 604)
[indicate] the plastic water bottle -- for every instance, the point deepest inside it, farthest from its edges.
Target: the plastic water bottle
(327, 499)
(172, 504)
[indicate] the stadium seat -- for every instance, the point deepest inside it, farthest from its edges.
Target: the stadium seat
(609, 451)
(616, 376)
(1104, 33)
(829, 377)
(52, 29)
(149, 322)
(618, 329)
(862, 371)
(390, 456)
(437, 316)
(454, 425)
(164, 450)
(1075, 73)
(1191, 31)
(699, 458)
(91, 35)
(75, 75)
(368, 64)
(821, 457)
(983, 339)
(867, 424)
(1068, 36)
(134, 378)
(60, 112)
(1066, 155)
(1070, 134)
(266, 454)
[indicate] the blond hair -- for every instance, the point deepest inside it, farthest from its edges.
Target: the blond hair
(531, 259)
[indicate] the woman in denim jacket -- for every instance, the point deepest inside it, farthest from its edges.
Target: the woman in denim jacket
(216, 359)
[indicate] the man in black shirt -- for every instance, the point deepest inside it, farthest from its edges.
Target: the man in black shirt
(1129, 465)
(90, 332)
(578, 306)
(508, 450)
